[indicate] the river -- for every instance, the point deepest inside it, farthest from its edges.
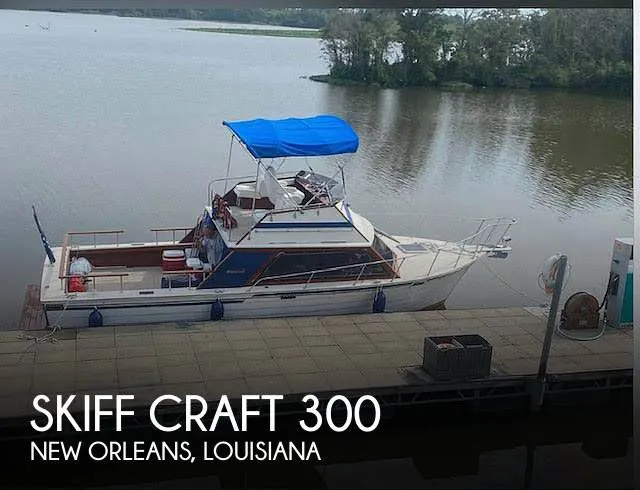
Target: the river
(115, 123)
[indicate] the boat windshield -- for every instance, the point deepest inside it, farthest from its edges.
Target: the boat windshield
(382, 249)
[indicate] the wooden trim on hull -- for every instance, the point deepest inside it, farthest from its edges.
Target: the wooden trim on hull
(142, 256)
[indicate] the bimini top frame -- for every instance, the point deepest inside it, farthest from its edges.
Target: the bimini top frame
(322, 135)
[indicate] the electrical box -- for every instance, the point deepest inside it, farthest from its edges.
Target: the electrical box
(619, 309)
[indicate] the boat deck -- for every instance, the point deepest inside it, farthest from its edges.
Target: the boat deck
(246, 221)
(137, 278)
(373, 353)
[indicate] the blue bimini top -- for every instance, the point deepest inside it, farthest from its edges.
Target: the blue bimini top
(295, 137)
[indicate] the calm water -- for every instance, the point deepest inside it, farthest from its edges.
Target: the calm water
(109, 123)
(113, 123)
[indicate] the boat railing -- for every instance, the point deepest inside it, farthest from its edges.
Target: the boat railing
(67, 244)
(189, 274)
(361, 267)
(173, 230)
(490, 236)
(94, 234)
(93, 277)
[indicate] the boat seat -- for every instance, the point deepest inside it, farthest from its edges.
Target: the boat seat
(246, 191)
(296, 195)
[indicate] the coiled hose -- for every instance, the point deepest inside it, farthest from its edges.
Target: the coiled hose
(564, 333)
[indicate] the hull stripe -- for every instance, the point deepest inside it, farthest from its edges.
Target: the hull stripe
(275, 224)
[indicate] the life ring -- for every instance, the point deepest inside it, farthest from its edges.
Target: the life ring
(549, 273)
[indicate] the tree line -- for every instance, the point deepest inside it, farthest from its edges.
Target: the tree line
(291, 17)
(587, 49)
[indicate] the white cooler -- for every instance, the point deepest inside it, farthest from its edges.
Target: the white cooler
(195, 264)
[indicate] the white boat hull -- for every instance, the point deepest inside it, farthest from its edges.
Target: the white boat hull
(192, 306)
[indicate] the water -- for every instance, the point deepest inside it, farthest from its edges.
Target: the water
(115, 123)
(110, 123)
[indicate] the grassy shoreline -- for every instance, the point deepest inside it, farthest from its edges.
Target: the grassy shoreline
(302, 33)
(453, 86)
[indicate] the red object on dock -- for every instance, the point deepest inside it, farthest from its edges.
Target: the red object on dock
(173, 260)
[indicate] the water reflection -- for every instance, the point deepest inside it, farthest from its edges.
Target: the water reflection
(570, 152)
(581, 152)
(393, 142)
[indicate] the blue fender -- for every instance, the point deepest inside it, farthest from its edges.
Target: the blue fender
(217, 310)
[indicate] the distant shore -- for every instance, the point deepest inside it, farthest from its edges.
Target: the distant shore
(453, 86)
(301, 33)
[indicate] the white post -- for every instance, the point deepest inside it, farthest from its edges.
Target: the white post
(226, 180)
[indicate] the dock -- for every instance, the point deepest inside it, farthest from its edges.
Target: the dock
(32, 317)
(376, 354)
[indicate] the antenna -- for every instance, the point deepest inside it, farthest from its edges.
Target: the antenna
(344, 192)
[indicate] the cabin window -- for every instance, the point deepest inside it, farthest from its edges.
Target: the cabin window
(303, 263)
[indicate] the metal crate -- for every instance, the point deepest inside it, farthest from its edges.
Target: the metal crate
(457, 357)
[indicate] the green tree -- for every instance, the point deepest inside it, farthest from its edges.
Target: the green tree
(425, 45)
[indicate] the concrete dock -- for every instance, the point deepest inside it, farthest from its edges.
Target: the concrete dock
(378, 354)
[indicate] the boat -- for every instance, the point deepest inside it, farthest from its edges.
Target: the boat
(273, 244)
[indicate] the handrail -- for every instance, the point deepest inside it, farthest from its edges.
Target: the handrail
(117, 234)
(512, 221)
(172, 230)
(121, 275)
(67, 239)
(107, 274)
(462, 244)
(188, 273)
(95, 232)
(329, 269)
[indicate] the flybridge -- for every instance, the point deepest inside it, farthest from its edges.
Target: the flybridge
(267, 210)
(326, 225)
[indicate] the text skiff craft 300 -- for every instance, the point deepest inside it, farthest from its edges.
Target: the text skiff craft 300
(269, 245)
